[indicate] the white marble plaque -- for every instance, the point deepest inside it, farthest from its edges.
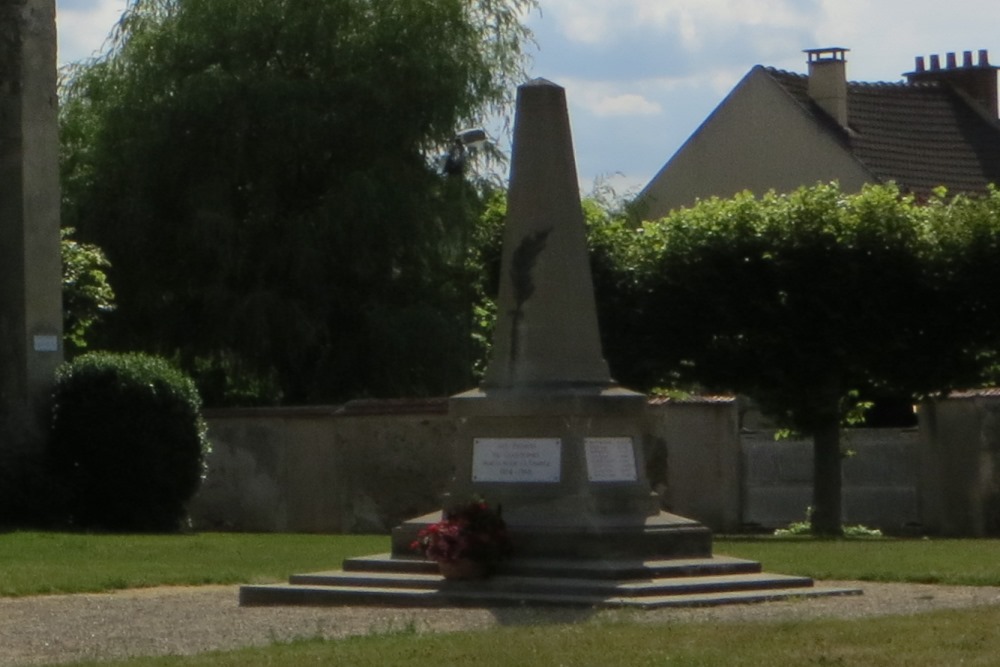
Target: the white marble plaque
(46, 343)
(610, 459)
(516, 459)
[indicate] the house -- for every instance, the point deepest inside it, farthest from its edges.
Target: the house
(780, 130)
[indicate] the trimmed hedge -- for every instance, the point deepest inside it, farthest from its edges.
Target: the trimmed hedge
(128, 440)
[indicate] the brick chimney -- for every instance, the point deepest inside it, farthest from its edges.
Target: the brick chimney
(976, 79)
(828, 81)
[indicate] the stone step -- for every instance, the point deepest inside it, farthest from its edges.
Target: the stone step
(468, 594)
(385, 580)
(573, 568)
(557, 585)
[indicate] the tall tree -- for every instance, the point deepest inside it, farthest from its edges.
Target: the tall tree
(805, 302)
(259, 174)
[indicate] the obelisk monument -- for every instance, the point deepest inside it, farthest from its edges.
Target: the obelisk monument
(549, 435)
(30, 268)
(550, 438)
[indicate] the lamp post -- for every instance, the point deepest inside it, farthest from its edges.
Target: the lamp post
(465, 143)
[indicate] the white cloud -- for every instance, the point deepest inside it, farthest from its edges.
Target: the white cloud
(693, 21)
(607, 98)
(628, 104)
(884, 42)
(83, 30)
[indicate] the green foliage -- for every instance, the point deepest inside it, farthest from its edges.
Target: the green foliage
(224, 380)
(799, 300)
(812, 303)
(129, 441)
(798, 528)
(87, 295)
(260, 175)
(483, 265)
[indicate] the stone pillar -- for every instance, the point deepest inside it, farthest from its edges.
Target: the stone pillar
(30, 262)
(547, 333)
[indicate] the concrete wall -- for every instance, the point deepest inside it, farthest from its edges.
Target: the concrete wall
(693, 449)
(881, 477)
(960, 464)
(366, 466)
(324, 469)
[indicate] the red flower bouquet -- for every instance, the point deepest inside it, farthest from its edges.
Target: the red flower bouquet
(472, 532)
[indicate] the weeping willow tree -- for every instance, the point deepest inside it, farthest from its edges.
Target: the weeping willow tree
(260, 175)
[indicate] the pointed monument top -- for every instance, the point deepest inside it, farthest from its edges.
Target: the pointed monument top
(546, 333)
(541, 82)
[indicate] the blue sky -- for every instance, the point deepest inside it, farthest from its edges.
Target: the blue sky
(641, 75)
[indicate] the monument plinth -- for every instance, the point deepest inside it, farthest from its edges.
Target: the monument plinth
(549, 435)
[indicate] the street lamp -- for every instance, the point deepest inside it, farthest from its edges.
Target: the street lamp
(464, 142)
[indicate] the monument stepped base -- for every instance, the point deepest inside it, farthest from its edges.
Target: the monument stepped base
(385, 580)
(660, 536)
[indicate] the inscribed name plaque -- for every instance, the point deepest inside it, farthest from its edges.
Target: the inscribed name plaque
(516, 459)
(610, 459)
(46, 343)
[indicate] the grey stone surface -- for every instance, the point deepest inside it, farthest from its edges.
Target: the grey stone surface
(546, 332)
(30, 270)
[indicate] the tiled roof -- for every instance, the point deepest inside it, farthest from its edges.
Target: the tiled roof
(918, 135)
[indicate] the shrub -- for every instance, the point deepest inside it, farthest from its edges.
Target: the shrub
(129, 441)
(29, 496)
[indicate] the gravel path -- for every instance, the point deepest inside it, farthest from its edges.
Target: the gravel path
(179, 621)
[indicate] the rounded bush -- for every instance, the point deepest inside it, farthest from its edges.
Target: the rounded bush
(129, 441)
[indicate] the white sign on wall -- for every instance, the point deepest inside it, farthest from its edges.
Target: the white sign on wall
(516, 459)
(45, 343)
(610, 459)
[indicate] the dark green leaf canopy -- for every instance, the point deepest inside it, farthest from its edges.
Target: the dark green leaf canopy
(794, 299)
(260, 175)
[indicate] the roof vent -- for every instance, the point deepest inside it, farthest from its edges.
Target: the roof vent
(828, 81)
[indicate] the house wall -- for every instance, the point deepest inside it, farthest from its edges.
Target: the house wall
(759, 138)
(329, 471)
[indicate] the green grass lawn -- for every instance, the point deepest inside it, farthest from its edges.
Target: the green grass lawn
(35, 563)
(955, 562)
(967, 637)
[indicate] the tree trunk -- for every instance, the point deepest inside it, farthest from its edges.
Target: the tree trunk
(826, 515)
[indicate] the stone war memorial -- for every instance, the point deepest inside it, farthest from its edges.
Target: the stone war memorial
(551, 439)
